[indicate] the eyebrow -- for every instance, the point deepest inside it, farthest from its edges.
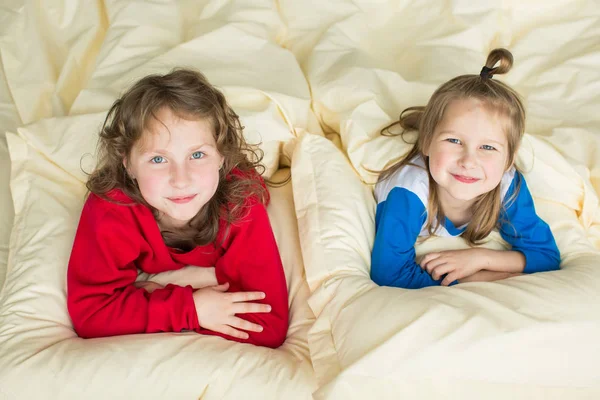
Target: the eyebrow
(163, 152)
(485, 140)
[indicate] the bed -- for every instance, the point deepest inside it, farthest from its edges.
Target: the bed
(313, 82)
(525, 337)
(80, 56)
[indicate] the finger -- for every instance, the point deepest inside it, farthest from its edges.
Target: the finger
(240, 297)
(428, 258)
(228, 330)
(449, 279)
(244, 308)
(433, 264)
(221, 288)
(148, 286)
(441, 270)
(152, 287)
(240, 323)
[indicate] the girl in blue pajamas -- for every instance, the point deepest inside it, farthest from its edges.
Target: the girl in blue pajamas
(460, 179)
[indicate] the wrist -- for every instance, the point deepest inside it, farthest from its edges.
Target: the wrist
(486, 257)
(508, 261)
(483, 259)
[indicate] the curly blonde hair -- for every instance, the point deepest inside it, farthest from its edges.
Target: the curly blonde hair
(188, 94)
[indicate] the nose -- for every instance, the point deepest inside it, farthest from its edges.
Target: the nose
(467, 159)
(180, 176)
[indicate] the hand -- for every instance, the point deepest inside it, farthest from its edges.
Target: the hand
(148, 285)
(217, 310)
(455, 264)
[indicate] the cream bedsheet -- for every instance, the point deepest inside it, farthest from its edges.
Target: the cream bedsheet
(43, 358)
(294, 70)
(6, 207)
(65, 63)
(527, 337)
(9, 121)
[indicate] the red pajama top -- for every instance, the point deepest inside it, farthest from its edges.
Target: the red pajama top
(114, 240)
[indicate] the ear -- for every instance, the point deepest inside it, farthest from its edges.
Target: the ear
(127, 169)
(512, 164)
(514, 160)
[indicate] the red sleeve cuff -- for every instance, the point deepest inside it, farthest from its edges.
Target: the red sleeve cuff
(172, 309)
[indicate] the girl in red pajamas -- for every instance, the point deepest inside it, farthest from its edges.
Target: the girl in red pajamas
(176, 185)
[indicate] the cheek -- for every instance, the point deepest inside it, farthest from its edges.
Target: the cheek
(495, 168)
(151, 184)
(435, 169)
(207, 176)
(438, 161)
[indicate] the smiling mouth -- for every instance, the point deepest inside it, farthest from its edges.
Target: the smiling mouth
(465, 179)
(181, 200)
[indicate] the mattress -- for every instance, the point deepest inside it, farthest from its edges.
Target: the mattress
(313, 83)
(525, 337)
(78, 59)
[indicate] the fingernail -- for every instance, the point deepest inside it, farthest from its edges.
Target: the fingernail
(268, 308)
(261, 329)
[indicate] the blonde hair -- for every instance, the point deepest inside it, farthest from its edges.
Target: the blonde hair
(494, 95)
(188, 94)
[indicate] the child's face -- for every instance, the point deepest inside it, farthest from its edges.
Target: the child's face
(176, 166)
(468, 153)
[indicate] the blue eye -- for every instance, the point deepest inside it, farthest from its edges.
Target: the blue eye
(157, 160)
(488, 147)
(452, 140)
(197, 155)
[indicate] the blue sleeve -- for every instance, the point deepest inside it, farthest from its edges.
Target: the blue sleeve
(526, 232)
(398, 221)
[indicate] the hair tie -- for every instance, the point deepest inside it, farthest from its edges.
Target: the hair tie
(485, 73)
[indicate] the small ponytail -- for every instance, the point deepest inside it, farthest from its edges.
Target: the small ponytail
(497, 55)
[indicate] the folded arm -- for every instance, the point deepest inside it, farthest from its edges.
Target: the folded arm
(101, 295)
(251, 262)
(527, 233)
(398, 223)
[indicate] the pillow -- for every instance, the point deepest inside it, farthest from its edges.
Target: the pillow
(365, 68)
(38, 341)
(529, 336)
(9, 120)
(83, 65)
(6, 207)
(48, 53)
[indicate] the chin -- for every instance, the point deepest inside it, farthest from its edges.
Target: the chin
(465, 196)
(182, 218)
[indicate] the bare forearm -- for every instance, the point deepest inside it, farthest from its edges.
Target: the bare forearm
(488, 276)
(502, 260)
(197, 277)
